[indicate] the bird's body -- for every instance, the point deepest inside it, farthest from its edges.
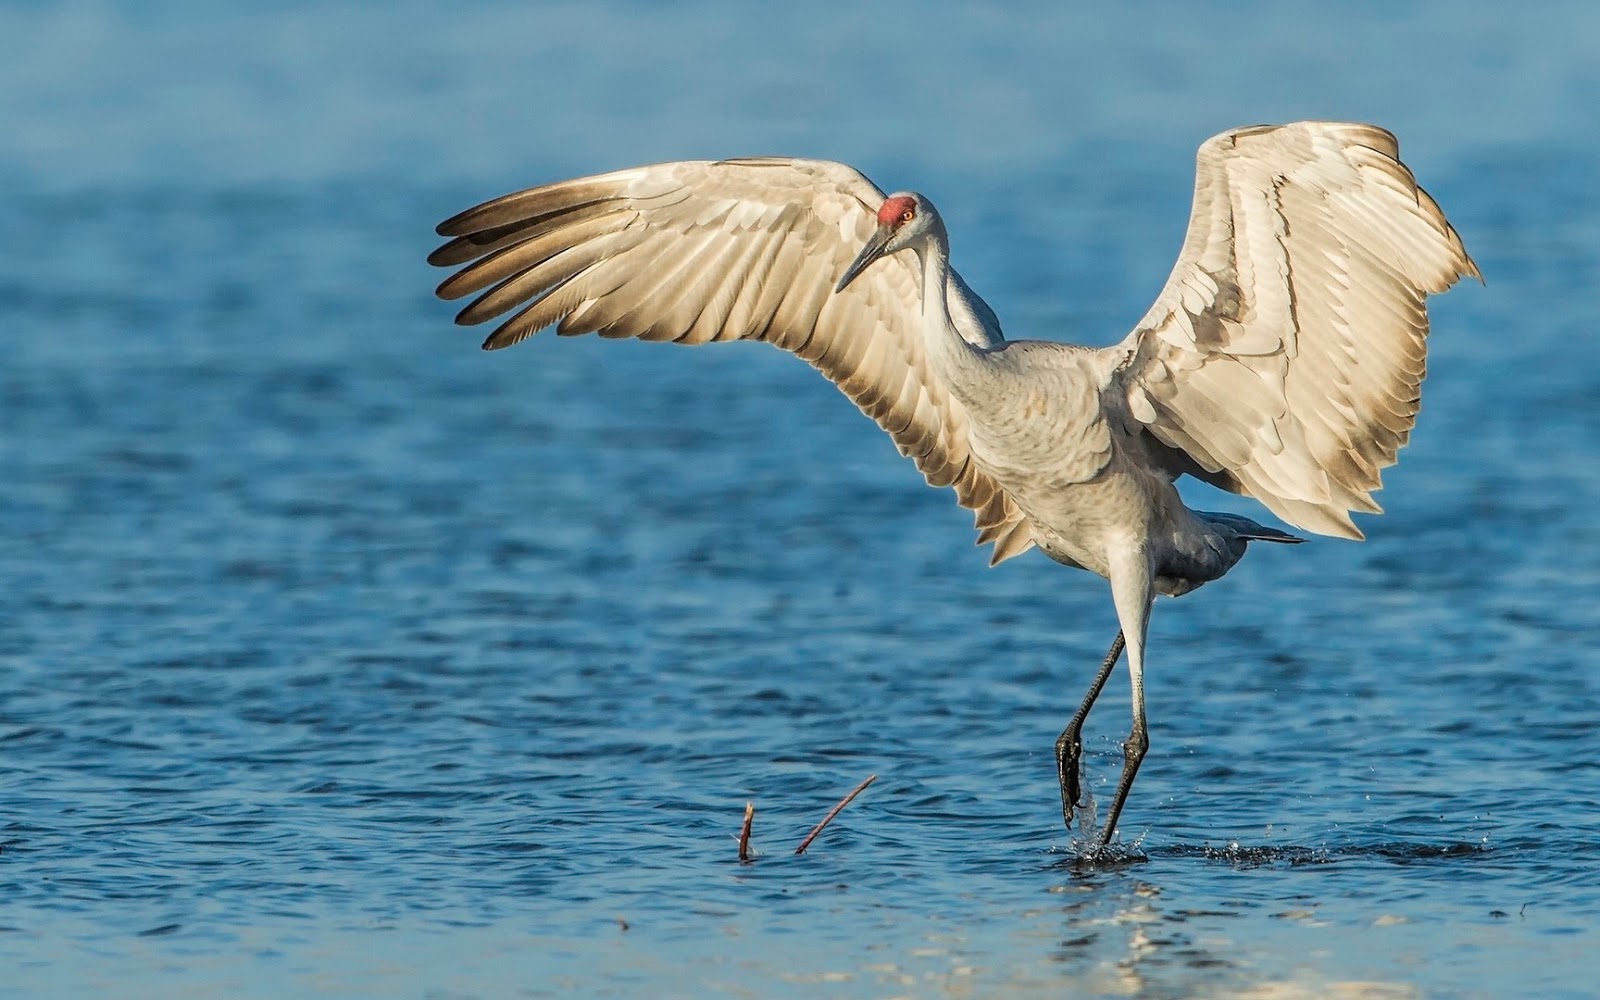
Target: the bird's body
(1282, 360)
(1090, 487)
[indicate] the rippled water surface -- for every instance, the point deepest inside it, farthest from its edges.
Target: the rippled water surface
(338, 658)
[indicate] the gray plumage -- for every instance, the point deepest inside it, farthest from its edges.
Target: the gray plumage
(1282, 360)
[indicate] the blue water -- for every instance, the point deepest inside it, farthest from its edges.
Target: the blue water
(338, 658)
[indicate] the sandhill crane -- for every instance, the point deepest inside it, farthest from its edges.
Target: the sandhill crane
(1282, 360)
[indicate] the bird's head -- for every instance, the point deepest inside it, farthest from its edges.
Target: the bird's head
(904, 220)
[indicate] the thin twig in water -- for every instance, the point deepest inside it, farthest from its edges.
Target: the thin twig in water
(832, 813)
(744, 832)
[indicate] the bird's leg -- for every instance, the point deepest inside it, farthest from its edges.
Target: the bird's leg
(1133, 752)
(1131, 590)
(1069, 748)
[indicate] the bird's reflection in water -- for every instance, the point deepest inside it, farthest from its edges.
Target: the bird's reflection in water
(1116, 936)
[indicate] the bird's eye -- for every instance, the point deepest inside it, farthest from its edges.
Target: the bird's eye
(908, 215)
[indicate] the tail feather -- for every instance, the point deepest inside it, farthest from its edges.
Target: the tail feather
(1250, 531)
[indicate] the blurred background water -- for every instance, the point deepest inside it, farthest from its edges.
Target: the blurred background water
(341, 659)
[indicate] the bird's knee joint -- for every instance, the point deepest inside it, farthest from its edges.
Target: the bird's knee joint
(1137, 745)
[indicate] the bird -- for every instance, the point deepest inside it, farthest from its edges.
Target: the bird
(1282, 360)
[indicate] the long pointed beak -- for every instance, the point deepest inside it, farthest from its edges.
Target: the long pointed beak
(869, 253)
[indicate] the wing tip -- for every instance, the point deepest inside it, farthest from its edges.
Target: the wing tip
(460, 224)
(503, 338)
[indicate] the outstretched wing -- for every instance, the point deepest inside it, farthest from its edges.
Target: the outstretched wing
(694, 252)
(1285, 356)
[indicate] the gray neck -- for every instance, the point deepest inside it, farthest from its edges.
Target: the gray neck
(955, 360)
